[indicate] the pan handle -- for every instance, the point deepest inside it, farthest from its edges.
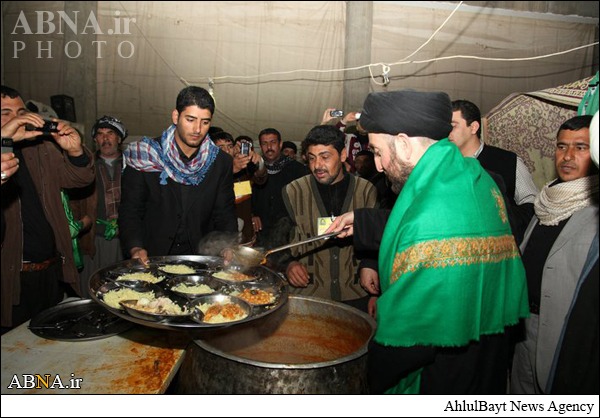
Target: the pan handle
(306, 241)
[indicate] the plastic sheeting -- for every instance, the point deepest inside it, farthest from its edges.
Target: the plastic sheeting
(136, 71)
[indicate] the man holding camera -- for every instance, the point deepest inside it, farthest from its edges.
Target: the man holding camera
(356, 137)
(245, 164)
(245, 160)
(36, 251)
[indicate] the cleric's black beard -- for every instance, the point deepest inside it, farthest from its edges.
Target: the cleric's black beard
(399, 175)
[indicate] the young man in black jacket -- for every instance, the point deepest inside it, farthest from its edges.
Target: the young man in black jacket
(178, 187)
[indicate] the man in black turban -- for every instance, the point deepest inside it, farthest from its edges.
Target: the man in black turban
(407, 121)
(451, 276)
(410, 112)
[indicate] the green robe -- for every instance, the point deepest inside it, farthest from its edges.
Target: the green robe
(449, 266)
(589, 102)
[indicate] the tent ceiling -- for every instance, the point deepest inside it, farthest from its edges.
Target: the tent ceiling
(279, 64)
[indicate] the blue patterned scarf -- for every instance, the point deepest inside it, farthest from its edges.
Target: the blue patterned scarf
(149, 156)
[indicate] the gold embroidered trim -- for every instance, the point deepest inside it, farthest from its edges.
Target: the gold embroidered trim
(500, 205)
(454, 252)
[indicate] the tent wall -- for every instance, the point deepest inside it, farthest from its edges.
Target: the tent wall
(137, 74)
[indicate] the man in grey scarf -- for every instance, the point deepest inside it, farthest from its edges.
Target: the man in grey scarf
(554, 250)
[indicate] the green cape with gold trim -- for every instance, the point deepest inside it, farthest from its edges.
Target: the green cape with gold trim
(449, 266)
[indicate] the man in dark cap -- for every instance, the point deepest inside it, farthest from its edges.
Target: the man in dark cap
(289, 149)
(451, 276)
(96, 207)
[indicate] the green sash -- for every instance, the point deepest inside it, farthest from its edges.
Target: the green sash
(449, 266)
(589, 103)
(74, 229)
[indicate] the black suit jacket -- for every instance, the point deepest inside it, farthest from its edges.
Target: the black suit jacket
(504, 163)
(150, 213)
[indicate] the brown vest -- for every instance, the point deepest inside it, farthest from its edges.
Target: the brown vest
(331, 264)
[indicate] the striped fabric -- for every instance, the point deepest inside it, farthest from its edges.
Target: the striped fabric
(332, 264)
(149, 155)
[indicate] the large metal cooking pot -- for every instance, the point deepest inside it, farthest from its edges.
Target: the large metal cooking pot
(311, 346)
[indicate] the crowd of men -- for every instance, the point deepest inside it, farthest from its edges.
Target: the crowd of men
(474, 277)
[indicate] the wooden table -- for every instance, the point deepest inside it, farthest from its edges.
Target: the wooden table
(140, 360)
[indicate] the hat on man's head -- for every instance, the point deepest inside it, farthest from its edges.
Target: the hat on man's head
(289, 144)
(414, 113)
(110, 123)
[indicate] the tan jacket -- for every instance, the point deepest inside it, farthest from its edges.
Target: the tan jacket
(332, 264)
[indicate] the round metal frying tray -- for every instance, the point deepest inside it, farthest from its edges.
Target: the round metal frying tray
(77, 320)
(105, 279)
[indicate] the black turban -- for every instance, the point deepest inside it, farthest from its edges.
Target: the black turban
(413, 113)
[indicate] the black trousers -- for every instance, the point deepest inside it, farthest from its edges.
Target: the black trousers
(40, 290)
(360, 304)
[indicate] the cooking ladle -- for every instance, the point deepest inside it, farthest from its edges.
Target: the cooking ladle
(250, 257)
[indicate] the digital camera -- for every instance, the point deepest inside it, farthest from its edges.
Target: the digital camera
(7, 145)
(245, 148)
(336, 113)
(49, 126)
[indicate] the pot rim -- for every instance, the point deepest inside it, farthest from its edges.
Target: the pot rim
(350, 357)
